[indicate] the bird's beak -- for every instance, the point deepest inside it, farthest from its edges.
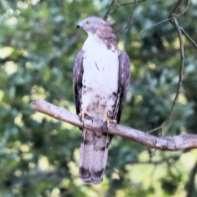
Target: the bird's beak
(79, 25)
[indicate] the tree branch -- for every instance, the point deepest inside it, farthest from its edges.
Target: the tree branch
(109, 9)
(182, 59)
(131, 2)
(180, 31)
(169, 159)
(172, 143)
(194, 43)
(191, 182)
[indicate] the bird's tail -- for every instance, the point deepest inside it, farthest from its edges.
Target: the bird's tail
(93, 156)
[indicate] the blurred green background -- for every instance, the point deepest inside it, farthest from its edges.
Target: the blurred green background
(39, 155)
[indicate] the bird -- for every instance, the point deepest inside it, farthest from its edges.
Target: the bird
(101, 75)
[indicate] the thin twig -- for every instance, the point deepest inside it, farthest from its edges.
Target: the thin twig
(131, 2)
(156, 24)
(190, 186)
(181, 69)
(193, 42)
(109, 9)
(176, 7)
(130, 20)
(175, 11)
(180, 31)
(181, 72)
(168, 159)
(171, 143)
(119, 4)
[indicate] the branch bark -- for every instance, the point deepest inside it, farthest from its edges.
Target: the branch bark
(171, 143)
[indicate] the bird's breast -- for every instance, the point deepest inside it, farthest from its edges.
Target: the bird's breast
(101, 67)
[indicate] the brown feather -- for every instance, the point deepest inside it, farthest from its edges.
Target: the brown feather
(94, 146)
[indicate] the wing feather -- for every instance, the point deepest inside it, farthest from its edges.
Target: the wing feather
(123, 82)
(77, 79)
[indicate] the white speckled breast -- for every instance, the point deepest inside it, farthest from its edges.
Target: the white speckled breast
(100, 77)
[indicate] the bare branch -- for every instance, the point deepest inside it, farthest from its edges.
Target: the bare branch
(114, 4)
(181, 70)
(155, 25)
(176, 7)
(193, 42)
(109, 9)
(130, 19)
(190, 186)
(176, 11)
(172, 143)
(56, 112)
(172, 158)
(131, 2)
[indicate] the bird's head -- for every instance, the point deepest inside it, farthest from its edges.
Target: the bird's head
(92, 23)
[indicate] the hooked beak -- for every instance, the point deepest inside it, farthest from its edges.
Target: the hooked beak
(79, 25)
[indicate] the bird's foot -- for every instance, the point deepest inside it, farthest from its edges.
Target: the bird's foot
(109, 119)
(84, 115)
(86, 119)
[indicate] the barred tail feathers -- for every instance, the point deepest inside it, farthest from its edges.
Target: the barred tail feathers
(93, 156)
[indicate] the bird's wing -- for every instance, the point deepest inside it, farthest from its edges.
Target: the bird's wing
(77, 79)
(123, 82)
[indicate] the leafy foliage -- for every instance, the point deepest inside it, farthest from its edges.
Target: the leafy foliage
(38, 41)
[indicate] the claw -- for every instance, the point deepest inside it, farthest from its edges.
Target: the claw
(113, 121)
(110, 115)
(84, 115)
(109, 118)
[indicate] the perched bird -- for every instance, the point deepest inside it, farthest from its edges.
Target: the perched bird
(101, 76)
